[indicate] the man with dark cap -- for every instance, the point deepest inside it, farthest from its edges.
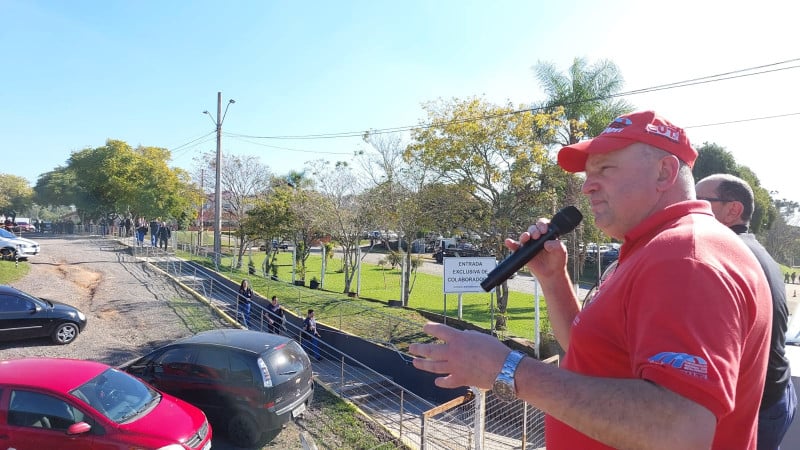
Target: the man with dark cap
(668, 352)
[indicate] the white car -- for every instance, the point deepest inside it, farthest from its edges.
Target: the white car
(13, 246)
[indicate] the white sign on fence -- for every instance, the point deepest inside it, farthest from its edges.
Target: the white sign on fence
(464, 274)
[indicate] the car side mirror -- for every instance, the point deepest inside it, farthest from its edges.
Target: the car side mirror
(78, 428)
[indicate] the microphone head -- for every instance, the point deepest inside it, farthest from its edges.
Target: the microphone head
(566, 220)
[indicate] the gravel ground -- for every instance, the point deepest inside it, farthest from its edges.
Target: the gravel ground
(128, 309)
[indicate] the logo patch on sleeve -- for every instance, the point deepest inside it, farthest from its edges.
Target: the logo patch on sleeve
(688, 364)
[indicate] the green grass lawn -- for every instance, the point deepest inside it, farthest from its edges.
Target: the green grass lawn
(382, 283)
(10, 271)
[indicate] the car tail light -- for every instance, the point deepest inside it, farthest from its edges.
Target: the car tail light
(264, 373)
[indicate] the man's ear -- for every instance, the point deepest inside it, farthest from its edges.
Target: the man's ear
(734, 210)
(669, 168)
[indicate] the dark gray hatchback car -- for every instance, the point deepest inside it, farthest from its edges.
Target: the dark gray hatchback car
(248, 383)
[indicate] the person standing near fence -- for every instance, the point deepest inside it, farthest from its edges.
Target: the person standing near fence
(141, 230)
(164, 234)
(275, 316)
(244, 301)
(154, 226)
(311, 335)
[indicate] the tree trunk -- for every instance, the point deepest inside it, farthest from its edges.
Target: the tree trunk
(500, 323)
(407, 270)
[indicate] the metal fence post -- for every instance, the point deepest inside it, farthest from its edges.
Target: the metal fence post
(401, 415)
(524, 424)
(480, 416)
(423, 433)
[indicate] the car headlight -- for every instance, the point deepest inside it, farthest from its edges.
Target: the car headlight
(81, 316)
(172, 447)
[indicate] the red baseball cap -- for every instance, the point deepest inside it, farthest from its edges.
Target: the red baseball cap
(642, 126)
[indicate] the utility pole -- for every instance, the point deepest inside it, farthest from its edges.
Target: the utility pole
(217, 186)
(202, 207)
(217, 183)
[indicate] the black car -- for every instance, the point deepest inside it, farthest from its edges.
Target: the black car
(609, 256)
(23, 316)
(247, 382)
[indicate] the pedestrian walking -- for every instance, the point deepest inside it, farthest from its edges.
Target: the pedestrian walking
(311, 335)
(141, 230)
(154, 225)
(275, 316)
(244, 303)
(164, 234)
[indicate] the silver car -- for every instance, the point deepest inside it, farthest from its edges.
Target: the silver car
(13, 246)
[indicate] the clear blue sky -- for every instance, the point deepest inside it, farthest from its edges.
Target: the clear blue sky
(76, 73)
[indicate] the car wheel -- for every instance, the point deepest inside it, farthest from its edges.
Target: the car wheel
(65, 333)
(243, 430)
(7, 254)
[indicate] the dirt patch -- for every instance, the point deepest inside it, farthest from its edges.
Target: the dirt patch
(82, 277)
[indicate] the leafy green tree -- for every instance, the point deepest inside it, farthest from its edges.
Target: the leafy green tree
(306, 210)
(494, 154)
(116, 179)
(271, 218)
(583, 98)
(16, 194)
(713, 158)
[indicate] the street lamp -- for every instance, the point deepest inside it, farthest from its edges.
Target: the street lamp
(217, 188)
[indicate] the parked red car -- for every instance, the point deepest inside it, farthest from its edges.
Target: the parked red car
(68, 404)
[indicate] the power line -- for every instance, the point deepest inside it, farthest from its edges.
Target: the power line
(238, 138)
(193, 141)
(752, 119)
(725, 74)
(755, 70)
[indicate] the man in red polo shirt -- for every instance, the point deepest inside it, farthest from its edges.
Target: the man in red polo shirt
(670, 352)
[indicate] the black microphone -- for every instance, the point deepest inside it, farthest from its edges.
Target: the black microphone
(562, 223)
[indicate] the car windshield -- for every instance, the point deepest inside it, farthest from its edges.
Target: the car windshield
(118, 396)
(7, 234)
(29, 297)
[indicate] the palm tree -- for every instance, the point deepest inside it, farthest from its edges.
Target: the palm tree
(587, 95)
(586, 98)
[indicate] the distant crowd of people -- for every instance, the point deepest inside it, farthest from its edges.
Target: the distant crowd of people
(159, 231)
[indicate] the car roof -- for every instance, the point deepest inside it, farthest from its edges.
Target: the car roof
(5, 289)
(249, 340)
(39, 372)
